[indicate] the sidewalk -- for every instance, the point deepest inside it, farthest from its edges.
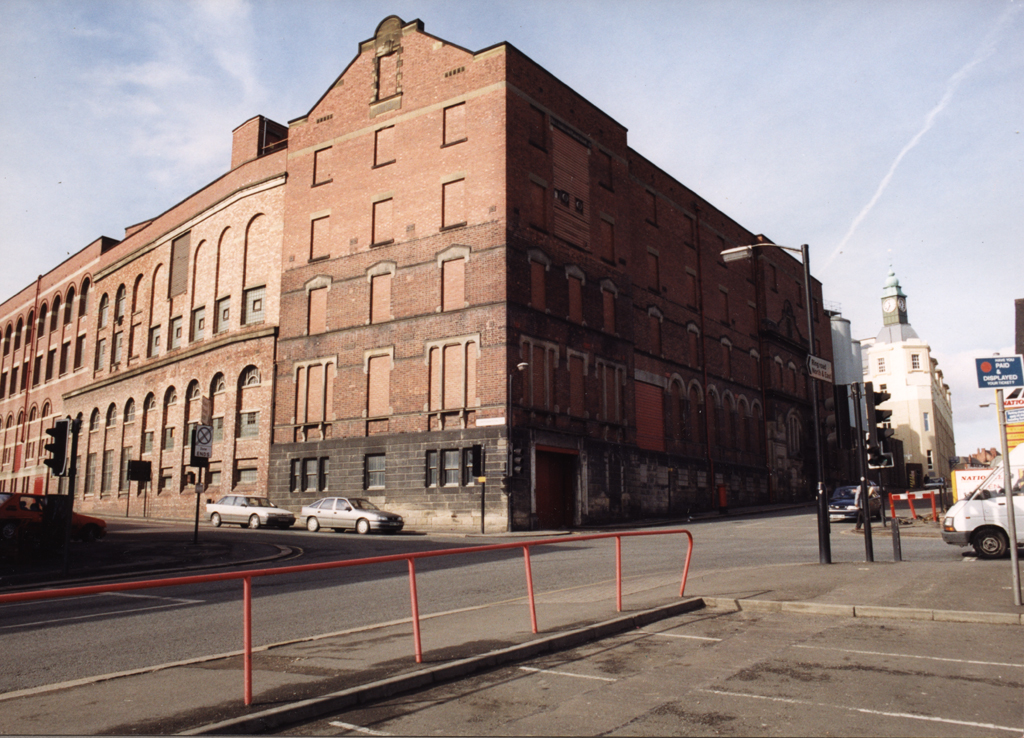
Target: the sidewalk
(301, 679)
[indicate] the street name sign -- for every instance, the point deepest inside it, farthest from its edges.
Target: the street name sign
(1000, 371)
(819, 368)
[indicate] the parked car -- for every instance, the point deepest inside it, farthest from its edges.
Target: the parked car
(981, 521)
(18, 511)
(342, 513)
(248, 511)
(842, 505)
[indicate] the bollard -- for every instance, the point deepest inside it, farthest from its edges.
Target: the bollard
(897, 551)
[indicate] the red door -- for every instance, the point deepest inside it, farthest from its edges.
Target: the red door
(554, 490)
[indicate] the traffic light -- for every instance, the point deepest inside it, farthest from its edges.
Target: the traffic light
(831, 428)
(517, 460)
(60, 448)
(879, 429)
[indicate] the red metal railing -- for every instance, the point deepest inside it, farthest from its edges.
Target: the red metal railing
(248, 576)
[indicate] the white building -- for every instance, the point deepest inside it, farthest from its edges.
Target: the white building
(897, 361)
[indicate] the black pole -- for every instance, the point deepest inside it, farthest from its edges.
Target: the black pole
(864, 508)
(76, 426)
(824, 540)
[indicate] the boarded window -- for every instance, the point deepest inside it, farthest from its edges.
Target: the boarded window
(607, 244)
(454, 375)
(317, 322)
(384, 146)
(571, 161)
(575, 299)
(609, 310)
(650, 417)
(453, 284)
(178, 282)
(382, 226)
(604, 169)
(538, 206)
(379, 391)
(577, 398)
(315, 394)
(653, 272)
(380, 298)
(322, 161)
(537, 128)
(453, 204)
(652, 208)
(387, 76)
(455, 124)
(654, 333)
(538, 276)
(435, 378)
(319, 238)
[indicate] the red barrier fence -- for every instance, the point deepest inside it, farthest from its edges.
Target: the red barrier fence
(910, 497)
(247, 577)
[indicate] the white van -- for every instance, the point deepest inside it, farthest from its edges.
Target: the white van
(980, 521)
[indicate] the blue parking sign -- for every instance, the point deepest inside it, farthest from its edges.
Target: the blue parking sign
(1000, 371)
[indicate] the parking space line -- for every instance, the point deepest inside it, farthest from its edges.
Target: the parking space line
(909, 656)
(167, 602)
(881, 713)
(568, 674)
(679, 635)
(356, 728)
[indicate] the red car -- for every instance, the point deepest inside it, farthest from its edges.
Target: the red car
(18, 510)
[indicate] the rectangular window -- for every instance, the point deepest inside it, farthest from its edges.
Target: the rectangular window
(249, 425)
(881, 365)
(387, 76)
(608, 306)
(320, 238)
(451, 467)
(310, 475)
(107, 479)
(322, 166)
(218, 429)
(51, 360)
(384, 147)
(453, 284)
(198, 323)
(538, 275)
(375, 471)
(174, 340)
(65, 350)
(178, 278)
(317, 311)
(101, 354)
(577, 399)
(454, 124)
(380, 298)
(118, 347)
(154, 341)
(382, 226)
(168, 439)
(254, 305)
(247, 472)
(915, 361)
(607, 242)
(222, 320)
(166, 478)
(432, 469)
(467, 467)
(453, 207)
(653, 272)
(3, 385)
(931, 460)
(37, 370)
(147, 442)
(575, 299)
(90, 474)
(927, 422)
(323, 472)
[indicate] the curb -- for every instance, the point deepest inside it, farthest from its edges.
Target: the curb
(866, 611)
(315, 707)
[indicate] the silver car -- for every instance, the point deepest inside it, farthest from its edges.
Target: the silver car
(248, 511)
(342, 513)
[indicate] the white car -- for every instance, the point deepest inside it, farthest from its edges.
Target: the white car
(342, 513)
(253, 512)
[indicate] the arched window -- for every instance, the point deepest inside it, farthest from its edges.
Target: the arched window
(193, 390)
(218, 384)
(17, 334)
(112, 415)
(33, 414)
(104, 310)
(41, 331)
(250, 377)
(94, 420)
(69, 305)
(129, 411)
(46, 409)
(170, 397)
(55, 315)
(149, 403)
(28, 328)
(7, 339)
(119, 304)
(83, 301)
(793, 433)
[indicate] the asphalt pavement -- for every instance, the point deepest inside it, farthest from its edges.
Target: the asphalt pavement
(304, 679)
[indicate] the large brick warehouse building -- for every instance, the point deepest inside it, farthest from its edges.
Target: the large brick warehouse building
(449, 250)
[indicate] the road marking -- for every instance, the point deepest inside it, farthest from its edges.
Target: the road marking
(909, 715)
(356, 728)
(568, 674)
(677, 635)
(910, 656)
(169, 602)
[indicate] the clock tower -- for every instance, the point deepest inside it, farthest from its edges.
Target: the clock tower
(894, 302)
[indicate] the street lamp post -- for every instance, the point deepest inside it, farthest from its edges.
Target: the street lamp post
(745, 252)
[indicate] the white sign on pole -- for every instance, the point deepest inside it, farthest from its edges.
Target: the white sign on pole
(203, 447)
(819, 368)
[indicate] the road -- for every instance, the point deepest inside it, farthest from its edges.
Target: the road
(745, 674)
(62, 640)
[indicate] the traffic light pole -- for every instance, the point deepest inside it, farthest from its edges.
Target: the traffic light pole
(72, 466)
(824, 532)
(864, 506)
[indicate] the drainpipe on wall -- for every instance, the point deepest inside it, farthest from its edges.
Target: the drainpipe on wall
(703, 353)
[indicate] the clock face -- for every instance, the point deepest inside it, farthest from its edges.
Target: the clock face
(889, 305)
(902, 303)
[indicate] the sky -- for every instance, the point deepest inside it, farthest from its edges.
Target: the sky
(883, 134)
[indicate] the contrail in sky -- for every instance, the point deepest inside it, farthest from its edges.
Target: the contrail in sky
(985, 50)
